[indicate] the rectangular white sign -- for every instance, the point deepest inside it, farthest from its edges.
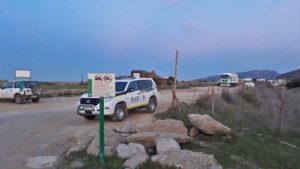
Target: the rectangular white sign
(101, 84)
(137, 75)
(23, 74)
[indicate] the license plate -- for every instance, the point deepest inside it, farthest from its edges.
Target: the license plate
(88, 108)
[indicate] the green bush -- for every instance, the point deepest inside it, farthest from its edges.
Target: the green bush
(293, 84)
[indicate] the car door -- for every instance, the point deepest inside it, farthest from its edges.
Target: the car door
(133, 95)
(145, 89)
(8, 89)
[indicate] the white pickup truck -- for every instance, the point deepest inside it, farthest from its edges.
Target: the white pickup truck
(22, 90)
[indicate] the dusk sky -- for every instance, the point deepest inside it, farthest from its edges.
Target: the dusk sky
(61, 40)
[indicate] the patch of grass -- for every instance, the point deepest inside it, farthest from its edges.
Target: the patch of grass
(92, 162)
(153, 165)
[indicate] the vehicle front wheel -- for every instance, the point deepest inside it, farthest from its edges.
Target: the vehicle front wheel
(36, 100)
(19, 99)
(120, 113)
(89, 117)
(152, 104)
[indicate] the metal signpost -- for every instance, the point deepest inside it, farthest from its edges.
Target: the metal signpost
(101, 85)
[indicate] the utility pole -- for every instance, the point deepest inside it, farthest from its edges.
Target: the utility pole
(175, 101)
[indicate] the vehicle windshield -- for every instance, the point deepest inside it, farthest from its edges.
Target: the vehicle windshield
(120, 86)
(224, 77)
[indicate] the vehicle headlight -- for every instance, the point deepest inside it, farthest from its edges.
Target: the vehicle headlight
(80, 107)
(108, 99)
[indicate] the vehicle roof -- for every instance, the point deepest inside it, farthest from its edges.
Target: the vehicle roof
(132, 79)
(22, 81)
(230, 74)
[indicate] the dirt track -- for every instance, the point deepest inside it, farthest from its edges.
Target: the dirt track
(46, 128)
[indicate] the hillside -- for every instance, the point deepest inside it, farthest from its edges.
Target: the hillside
(255, 74)
(292, 75)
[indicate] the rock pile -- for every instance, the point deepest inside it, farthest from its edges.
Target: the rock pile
(135, 142)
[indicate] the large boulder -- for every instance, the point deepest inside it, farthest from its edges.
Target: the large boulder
(148, 138)
(164, 126)
(185, 159)
(135, 160)
(112, 140)
(127, 151)
(166, 144)
(208, 125)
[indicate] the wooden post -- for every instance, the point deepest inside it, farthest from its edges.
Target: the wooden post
(175, 101)
(212, 100)
(282, 108)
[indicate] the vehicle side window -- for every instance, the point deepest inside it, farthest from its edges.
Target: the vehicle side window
(149, 84)
(133, 85)
(31, 84)
(9, 85)
(142, 85)
(19, 85)
(145, 84)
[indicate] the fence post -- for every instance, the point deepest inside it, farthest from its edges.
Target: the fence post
(212, 100)
(282, 108)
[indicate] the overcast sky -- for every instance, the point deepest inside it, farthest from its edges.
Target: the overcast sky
(64, 39)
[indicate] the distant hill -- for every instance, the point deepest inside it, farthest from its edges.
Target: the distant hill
(255, 74)
(292, 75)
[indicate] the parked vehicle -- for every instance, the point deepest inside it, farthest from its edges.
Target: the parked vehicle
(131, 94)
(229, 80)
(21, 91)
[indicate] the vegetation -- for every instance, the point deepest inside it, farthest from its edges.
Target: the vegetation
(92, 162)
(258, 139)
(293, 84)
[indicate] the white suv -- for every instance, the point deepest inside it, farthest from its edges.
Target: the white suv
(19, 91)
(131, 94)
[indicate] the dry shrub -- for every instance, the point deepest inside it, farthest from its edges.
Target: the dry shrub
(227, 96)
(203, 101)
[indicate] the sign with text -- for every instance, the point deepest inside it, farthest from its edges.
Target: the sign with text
(101, 84)
(23, 73)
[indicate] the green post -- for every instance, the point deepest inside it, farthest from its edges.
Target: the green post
(90, 87)
(101, 130)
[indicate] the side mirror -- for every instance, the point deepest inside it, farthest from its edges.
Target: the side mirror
(130, 90)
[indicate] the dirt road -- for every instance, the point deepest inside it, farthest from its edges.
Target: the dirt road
(47, 128)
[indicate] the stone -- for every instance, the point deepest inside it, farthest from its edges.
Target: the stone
(129, 128)
(166, 144)
(135, 161)
(186, 159)
(194, 132)
(42, 162)
(208, 125)
(127, 151)
(148, 138)
(83, 138)
(164, 126)
(112, 140)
